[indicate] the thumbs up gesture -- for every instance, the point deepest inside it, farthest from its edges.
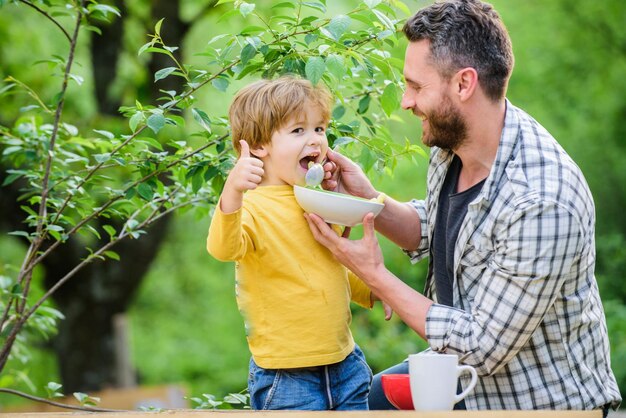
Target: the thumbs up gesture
(248, 172)
(245, 175)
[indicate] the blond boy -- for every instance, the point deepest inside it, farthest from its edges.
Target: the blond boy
(294, 296)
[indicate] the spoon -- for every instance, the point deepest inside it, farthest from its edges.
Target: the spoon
(314, 175)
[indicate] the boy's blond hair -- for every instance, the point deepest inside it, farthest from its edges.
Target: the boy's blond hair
(263, 107)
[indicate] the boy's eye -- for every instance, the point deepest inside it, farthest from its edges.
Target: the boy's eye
(320, 129)
(298, 131)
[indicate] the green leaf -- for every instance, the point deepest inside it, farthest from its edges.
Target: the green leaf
(151, 142)
(197, 181)
(210, 173)
(246, 8)
(106, 134)
(343, 140)
(384, 20)
(335, 65)
(338, 112)
(157, 27)
(16, 290)
(162, 73)
(102, 158)
(156, 122)
(314, 69)
(145, 191)
(202, 118)
(144, 47)
(247, 53)
(52, 388)
(110, 230)
(310, 38)
(252, 29)
(364, 104)
(104, 9)
(135, 120)
(227, 15)
(220, 83)
(372, 3)
(338, 25)
(390, 100)
(284, 4)
(315, 5)
(85, 399)
(112, 255)
(19, 234)
(11, 178)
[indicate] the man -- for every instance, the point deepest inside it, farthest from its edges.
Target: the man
(508, 223)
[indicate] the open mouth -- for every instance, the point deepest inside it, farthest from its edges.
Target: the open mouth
(311, 158)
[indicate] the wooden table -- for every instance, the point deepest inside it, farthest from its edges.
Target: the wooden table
(190, 413)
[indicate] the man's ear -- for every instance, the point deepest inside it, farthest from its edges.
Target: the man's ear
(465, 82)
(259, 152)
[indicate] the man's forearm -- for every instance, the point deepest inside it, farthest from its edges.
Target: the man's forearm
(400, 223)
(410, 305)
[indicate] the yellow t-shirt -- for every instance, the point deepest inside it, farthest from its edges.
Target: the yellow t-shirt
(293, 294)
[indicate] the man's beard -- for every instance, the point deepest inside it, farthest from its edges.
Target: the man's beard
(446, 127)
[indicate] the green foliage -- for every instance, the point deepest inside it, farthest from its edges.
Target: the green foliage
(616, 323)
(185, 324)
(102, 186)
(230, 401)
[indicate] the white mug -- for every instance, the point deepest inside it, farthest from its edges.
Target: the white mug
(434, 379)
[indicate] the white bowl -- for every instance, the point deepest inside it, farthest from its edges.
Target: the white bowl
(336, 208)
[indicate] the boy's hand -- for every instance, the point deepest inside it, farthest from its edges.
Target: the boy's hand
(245, 175)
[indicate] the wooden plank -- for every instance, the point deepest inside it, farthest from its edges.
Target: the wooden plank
(186, 413)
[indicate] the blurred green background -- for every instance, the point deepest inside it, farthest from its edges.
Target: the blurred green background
(184, 323)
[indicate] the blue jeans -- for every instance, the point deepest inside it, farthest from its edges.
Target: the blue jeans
(340, 386)
(378, 400)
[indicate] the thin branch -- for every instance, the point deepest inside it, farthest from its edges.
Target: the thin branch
(55, 128)
(53, 20)
(58, 404)
(31, 93)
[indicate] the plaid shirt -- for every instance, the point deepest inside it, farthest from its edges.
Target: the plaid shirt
(527, 313)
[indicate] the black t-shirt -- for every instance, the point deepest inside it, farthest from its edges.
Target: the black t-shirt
(451, 211)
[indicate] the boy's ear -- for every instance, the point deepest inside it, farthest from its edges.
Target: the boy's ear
(259, 152)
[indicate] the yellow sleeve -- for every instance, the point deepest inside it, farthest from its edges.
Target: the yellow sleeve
(361, 294)
(229, 237)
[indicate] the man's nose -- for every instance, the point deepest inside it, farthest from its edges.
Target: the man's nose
(408, 102)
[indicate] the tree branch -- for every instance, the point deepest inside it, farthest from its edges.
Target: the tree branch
(57, 404)
(44, 193)
(43, 12)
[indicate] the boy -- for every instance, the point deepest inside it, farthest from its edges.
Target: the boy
(294, 296)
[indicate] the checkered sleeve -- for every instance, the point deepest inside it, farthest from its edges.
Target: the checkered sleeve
(422, 250)
(536, 250)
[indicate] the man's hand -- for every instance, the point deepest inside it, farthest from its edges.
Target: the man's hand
(344, 176)
(245, 175)
(363, 257)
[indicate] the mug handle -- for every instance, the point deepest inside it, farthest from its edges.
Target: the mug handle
(468, 389)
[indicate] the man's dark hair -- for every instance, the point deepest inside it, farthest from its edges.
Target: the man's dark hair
(466, 33)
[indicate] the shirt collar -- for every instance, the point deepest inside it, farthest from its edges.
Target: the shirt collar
(505, 153)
